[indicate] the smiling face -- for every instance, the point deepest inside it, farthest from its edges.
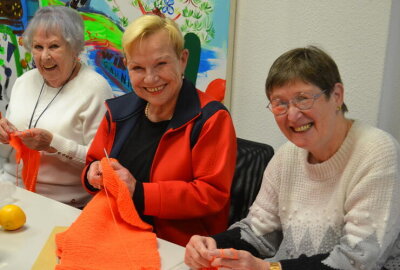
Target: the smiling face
(53, 57)
(318, 129)
(155, 70)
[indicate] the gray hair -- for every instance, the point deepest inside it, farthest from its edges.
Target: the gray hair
(57, 20)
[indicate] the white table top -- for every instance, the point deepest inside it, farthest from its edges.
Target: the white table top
(19, 249)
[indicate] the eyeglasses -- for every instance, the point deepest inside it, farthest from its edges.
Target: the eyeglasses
(302, 101)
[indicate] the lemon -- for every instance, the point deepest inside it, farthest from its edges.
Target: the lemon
(12, 217)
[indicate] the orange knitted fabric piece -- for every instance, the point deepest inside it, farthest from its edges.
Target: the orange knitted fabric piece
(30, 159)
(96, 241)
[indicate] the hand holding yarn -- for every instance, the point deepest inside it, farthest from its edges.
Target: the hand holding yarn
(95, 175)
(124, 175)
(236, 259)
(197, 254)
(6, 128)
(36, 139)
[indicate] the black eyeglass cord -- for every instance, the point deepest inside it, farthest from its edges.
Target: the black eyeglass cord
(37, 101)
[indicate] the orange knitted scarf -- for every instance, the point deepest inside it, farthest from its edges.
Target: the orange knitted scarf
(30, 159)
(109, 233)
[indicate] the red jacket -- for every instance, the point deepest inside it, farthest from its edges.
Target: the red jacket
(189, 187)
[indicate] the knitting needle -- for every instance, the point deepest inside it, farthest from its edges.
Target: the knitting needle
(113, 216)
(105, 152)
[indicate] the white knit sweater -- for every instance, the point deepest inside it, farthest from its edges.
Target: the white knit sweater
(72, 118)
(347, 206)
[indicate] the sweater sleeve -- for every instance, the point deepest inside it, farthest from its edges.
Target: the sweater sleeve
(90, 115)
(231, 239)
(262, 226)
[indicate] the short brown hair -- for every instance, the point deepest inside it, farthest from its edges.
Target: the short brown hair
(310, 65)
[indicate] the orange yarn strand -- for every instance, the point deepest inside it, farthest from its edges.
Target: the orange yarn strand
(31, 162)
(130, 259)
(16, 173)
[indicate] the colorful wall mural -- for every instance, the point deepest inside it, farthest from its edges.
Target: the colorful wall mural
(204, 23)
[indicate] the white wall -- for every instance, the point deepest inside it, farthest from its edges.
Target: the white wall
(389, 110)
(353, 32)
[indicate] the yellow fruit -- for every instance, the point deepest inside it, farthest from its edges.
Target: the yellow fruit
(12, 217)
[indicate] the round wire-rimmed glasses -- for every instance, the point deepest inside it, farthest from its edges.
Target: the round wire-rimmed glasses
(302, 101)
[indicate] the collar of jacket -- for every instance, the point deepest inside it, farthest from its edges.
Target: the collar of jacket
(187, 106)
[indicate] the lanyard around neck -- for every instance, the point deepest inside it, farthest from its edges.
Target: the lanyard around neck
(37, 102)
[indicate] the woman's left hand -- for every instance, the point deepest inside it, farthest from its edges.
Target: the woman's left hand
(237, 259)
(124, 175)
(37, 139)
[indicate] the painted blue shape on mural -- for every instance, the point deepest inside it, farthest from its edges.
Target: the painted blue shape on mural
(109, 63)
(30, 6)
(168, 8)
(221, 23)
(207, 60)
(8, 71)
(10, 51)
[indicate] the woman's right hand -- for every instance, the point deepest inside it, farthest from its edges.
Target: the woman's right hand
(95, 175)
(6, 128)
(197, 253)
(202, 252)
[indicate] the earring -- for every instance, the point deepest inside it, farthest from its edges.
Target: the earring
(339, 108)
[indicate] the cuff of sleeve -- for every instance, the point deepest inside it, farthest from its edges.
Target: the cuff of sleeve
(85, 180)
(152, 199)
(138, 198)
(312, 262)
(64, 148)
(58, 143)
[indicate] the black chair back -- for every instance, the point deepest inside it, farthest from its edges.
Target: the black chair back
(252, 159)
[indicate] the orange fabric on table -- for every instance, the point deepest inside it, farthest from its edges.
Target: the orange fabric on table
(97, 241)
(30, 159)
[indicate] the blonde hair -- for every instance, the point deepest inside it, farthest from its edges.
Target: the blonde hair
(150, 24)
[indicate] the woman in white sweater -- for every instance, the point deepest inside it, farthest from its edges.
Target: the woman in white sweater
(59, 103)
(330, 196)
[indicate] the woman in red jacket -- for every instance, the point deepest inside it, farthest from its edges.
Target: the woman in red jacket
(176, 147)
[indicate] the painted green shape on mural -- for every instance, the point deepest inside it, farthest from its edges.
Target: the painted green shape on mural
(192, 43)
(28, 57)
(1, 62)
(198, 19)
(100, 28)
(97, 27)
(7, 30)
(44, 3)
(1, 50)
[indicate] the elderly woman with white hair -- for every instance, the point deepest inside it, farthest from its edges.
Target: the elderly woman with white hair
(60, 103)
